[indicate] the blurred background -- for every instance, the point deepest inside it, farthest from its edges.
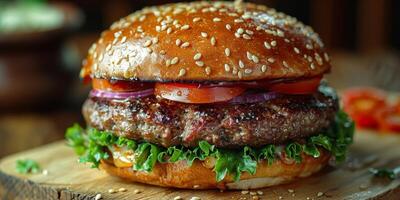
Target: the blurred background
(42, 44)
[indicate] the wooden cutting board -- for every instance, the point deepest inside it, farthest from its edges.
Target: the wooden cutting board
(67, 179)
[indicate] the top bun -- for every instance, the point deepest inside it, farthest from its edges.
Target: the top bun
(207, 41)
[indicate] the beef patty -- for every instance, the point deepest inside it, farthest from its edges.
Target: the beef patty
(168, 123)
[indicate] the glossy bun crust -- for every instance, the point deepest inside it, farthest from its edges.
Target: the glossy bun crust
(207, 41)
(199, 176)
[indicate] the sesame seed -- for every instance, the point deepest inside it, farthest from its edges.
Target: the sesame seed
(149, 50)
(112, 191)
(197, 56)
(142, 18)
(273, 43)
(216, 19)
(155, 40)
(204, 34)
(227, 67)
(247, 37)
(280, 33)
(280, 197)
(227, 52)
(255, 58)
(169, 30)
(178, 198)
(271, 60)
(174, 60)
(238, 20)
(213, 41)
(228, 27)
(259, 192)
(196, 19)
(101, 57)
(196, 186)
(241, 64)
(320, 194)
(263, 68)
(326, 56)
(178, 42)
(309, 46)
(97, 197)
(162, 52)
(208, 70)
(108, 47)
(237, 35)
(123, 39)
(266, 44)
(258, 28)
(245, 191)
(285, 64)
(195, 198)
(240, 31)
(136, 191)
(185, 27)
(182, 72)
(312, 66)
(296, 50)
(253, 193)
(240, 75)
(290, 190)
(249, 32)
(163, 27)
(248, 71)
(287, 40)
(309, 58)
(255, 197)
(168, 62)
(184, 45)
(234, 70)
(249, 55)
(122, 190)
(117, 34)
(199, 63)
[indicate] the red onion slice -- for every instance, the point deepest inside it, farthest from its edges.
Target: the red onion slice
(121, 95)
(254, 97)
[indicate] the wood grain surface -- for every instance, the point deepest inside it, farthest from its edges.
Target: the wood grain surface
(67, 179)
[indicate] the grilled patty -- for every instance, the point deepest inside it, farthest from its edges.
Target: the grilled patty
(168, 123)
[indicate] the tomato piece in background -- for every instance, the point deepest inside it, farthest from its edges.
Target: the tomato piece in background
(389, 119)
(362, 104)
(307, 86)
(193, 93)
(119, 86)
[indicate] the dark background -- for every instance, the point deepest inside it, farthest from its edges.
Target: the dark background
(41, 94)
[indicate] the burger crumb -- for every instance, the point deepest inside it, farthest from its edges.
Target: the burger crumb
(221, 190)
(260, 192)
(137, 191)
(363, 187)
(293, 194)
(45, 172)
(290, 190)
(256, 197)
(112, 191)
(196, 186)
(245, 191)
(195, 198)
(122, 190)
(280, 197)
(97, 197)
(178, 198)
(320, 194)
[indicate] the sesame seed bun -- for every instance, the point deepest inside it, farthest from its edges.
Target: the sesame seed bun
(207, 41)
(201, 176)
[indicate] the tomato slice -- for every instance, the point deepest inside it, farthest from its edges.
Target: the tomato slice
(119, 86)
(193, 93)
(362, 105)
(389, 119)
(298, 87)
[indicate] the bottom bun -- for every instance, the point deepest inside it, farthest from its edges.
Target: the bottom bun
(198, 176)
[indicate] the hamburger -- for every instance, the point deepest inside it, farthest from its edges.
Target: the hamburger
(207, 95)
